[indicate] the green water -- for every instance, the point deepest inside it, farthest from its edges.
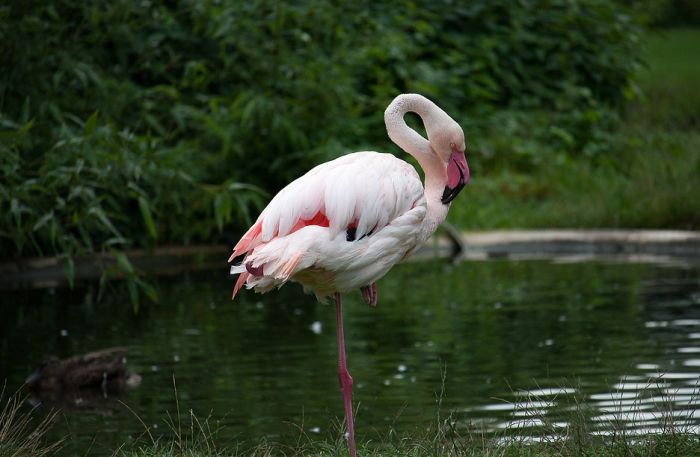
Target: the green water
(508, 343)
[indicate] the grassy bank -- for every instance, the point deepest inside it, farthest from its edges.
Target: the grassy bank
(22, 435)
(648, 181)
(643, 176)
(661, 446)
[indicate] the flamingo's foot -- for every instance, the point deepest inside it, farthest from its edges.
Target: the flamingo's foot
(255, 271)
(369, 294)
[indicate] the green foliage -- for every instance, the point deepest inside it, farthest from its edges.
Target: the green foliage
(674, 13)
(131, 125)
(532, 54)
(105, 189)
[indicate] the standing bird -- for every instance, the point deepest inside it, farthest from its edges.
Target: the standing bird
(346, 222)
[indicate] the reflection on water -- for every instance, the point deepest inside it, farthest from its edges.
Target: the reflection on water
(655, 393)
(513, 346)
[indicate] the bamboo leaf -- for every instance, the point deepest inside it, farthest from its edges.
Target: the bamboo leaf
(70, 271)
(102, 217)
(222, 209)
(148, 289)
(15, 132)
(90, 124)
(133, 295)
(102, 285)
(147, 218)
(42, 221)
(124, 263)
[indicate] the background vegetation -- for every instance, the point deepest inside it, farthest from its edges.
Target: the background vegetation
(128, 125)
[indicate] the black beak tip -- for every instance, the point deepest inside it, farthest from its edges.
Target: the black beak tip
(450, 193)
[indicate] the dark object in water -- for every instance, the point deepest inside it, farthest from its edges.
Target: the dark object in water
(104, 369)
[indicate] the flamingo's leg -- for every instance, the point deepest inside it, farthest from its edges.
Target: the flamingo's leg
(344, 376)
(369, 294)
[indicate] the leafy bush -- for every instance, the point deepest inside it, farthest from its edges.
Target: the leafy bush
(128, 124)
(667, 13)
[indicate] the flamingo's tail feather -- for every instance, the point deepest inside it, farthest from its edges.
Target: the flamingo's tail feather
(248, 241)
(242, 278)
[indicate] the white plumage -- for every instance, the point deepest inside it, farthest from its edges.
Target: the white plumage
(368, 187)
(377, 195)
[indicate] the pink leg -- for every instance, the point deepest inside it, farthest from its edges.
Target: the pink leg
(369, 294)
(344, 376)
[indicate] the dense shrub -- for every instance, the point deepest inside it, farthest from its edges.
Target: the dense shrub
(128, 123)
(666, 13)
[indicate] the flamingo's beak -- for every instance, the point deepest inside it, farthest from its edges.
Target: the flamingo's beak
(457, 175)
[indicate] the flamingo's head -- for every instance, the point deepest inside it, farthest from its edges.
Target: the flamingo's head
(449, 145)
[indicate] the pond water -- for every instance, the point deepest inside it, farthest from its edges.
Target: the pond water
(504, 346)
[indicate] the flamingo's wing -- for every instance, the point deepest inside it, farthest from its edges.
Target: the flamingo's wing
(363, 191)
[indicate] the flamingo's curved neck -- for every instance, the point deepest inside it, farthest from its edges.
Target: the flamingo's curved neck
(413, 143)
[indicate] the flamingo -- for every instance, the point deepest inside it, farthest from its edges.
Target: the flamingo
(346, 222)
